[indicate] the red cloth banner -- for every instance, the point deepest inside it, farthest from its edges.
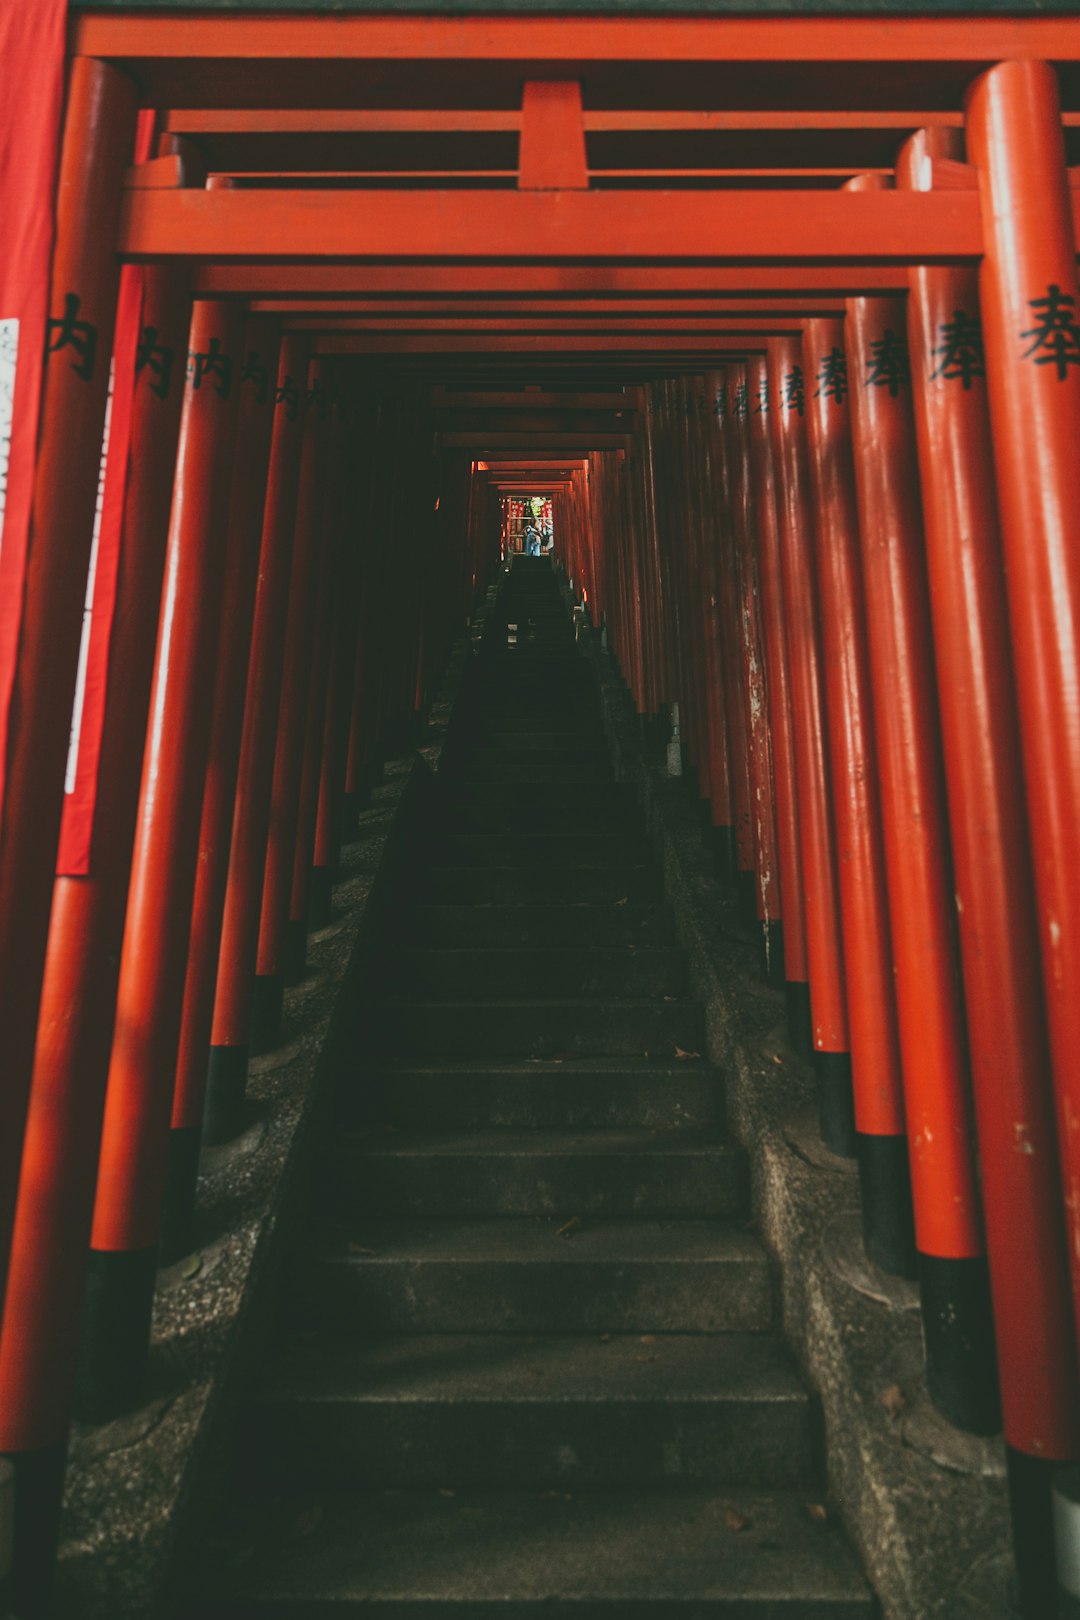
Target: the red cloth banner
(32, 51)
(88, 717)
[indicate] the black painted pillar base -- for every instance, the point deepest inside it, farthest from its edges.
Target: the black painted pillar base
(772, 953)
(799, 1018)
(226, 1080)
(114, 1348)
(724, 856)
(747, 886)
(295, 953)
(39, 1490)
(267, 1007)
(836, 1102)
(888, 1219)
(958, 1330)
(1031, 1482)
(181, 1180)
(321, 896)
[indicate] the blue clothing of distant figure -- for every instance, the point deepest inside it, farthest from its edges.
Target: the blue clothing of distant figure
(532, 542)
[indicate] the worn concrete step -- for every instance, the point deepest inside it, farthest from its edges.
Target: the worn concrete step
(624, 817)
(533, 886)
(513, 1274)
(671, 1173)
(542, 849)
(501, 970)
(605, 798)
(638, 1554)
(584, 1026)
(489, 1410)
(571, 1094)
(544, 742)
(498, 765)
(570, 724)
(535, 926)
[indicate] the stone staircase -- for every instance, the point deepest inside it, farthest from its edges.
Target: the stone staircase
(530, 1362)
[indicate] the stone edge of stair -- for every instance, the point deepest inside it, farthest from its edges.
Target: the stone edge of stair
(140, 1491)
(922, 1530)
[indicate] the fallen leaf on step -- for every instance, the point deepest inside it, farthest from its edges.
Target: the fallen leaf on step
(554, 1496)
(568, 1228)
(647, 1338)
(563, 1057)
(646, 1358)
(625, 901)
(447, 1493)
(605, 1338)
(736, 1520)
(679, 1053)
(777, 1058)
(308, 1522)
(191, 1267)
(818, 1511)
(358, 1248)
(893, 1400)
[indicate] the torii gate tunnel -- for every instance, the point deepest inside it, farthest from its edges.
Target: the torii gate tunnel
(781, 312)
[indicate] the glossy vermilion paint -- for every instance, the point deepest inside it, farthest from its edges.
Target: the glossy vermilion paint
(150, 992)
(1015, 139)
(259, 346)
(875, 1051)
(98, 143)
(307, 562)
(251, 816)
(825, 954)
(778, 678)
(918, 867)
(60, 1151)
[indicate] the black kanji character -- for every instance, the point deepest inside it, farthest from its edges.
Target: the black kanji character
(1056, 332)
(762, 406)
(254, 372)
(889, 366)
(211, 362)
(794, 392)
(159, 357)
(66, 331)
(289, 396)
(720, 404)
(832, 377)
(961, 349)
(741, 401)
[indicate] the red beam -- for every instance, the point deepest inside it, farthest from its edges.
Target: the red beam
(314, 279)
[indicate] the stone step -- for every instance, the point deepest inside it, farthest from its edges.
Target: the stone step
(542, 849)
(532, 886)
(669, 1173)
(501, 1410)
(535, 926)
(542, 742)
(592, 970)
(517, 1275)
(622, 818)
(603, 798)
(644, 1554)
(496, 765)
(570, 1094)
(579, 1027)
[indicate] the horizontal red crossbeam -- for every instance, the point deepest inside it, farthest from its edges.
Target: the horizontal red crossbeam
(646, 343)
(731, 307)
(796, 226)
(554, 281)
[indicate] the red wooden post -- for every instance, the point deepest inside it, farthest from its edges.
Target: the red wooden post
(256, 382)
(308, 550)
(97, 145)
(40, 1334)
(131, 1175)
(1029, 302)
(231, 1027)
(825, 952)
(881, 1143)
(948, 1226)
(778, 683)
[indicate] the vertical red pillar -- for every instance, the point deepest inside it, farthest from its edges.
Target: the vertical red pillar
(948, 1227)
(307, 564)
(1029, 309)
(39, 1338)
(231, 1025)
(131, 1174)
(825, 954)
(256, 383)
(98, 144)
(881, 1143)
(778, 683)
